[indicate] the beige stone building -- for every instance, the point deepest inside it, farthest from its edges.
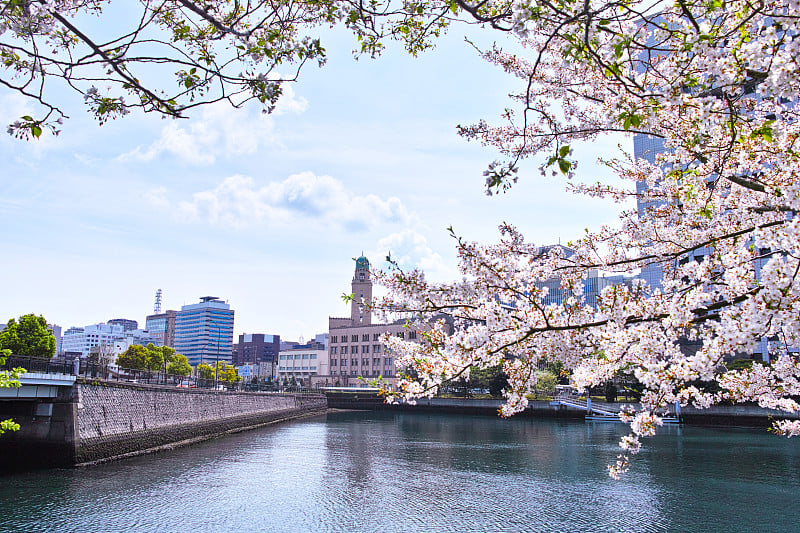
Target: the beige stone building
(355, 350)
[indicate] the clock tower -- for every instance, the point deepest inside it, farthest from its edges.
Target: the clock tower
(362, 292)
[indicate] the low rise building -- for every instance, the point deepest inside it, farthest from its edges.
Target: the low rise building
(302, 362)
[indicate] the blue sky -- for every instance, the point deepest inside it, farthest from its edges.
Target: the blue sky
(268, 211)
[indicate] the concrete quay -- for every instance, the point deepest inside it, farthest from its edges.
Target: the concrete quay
(719, 416)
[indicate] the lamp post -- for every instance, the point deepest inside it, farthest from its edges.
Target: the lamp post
(216, 363)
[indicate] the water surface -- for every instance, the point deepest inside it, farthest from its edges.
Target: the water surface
(392, 472)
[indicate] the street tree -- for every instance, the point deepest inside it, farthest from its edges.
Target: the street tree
(155, 357)
(227, 372)
(205, 371)
(134, 358)
(179, 365)
(28, 336)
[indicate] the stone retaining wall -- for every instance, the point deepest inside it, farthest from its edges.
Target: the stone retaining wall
(95, 421)
(119, 419)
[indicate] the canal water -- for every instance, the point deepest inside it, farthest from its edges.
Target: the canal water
(393, 472)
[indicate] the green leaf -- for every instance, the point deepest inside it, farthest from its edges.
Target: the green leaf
(36, 131)
(564, 150)
(626, 125)
(564, 165)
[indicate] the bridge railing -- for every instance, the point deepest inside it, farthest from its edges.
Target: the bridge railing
(38, 364)
(92, 370)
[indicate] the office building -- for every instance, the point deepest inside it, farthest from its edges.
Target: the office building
(258, 349)
(126, 323)
(78, 342)
(162, 326)
(204, 331)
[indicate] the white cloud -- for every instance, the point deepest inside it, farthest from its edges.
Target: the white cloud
(12, 107)
(289, 102)
(220, 130)
(411, 249)
(157, 197)
(239, 202)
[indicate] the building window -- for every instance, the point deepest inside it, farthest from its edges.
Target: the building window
(353, 362)
(313, 356)
(376, 336)
(353, 338)
(305, 356)
(344, 350)
(412, 334)
(333, 362)
(388, 361)
(343, 362)
(401, 334)
(333, 340)
(333, 350)
(364, 362)
(365, 337)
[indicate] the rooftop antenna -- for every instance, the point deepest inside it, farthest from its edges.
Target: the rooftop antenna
(157, 306)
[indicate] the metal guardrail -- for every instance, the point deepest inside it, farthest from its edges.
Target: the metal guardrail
(89, 370)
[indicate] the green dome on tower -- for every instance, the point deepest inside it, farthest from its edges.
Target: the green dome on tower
(362, 262)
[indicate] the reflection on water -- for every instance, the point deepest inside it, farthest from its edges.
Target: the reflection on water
(367, 471)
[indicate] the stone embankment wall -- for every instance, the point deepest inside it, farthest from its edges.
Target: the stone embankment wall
(115, 419)
(720, 415)
(96, 421)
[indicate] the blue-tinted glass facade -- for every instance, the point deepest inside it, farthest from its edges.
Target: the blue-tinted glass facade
(204, 331)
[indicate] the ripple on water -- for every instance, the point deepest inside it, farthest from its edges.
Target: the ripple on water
(392, 472)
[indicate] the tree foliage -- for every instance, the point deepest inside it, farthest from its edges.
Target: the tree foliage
(227, 373)
(8, 378)
(224, 372)
(150, 357)
(29, 337)
(205, 371)
(134, 358)
(165, 57)
(179, 365)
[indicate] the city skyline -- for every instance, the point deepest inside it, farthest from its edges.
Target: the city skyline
(269, 211)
